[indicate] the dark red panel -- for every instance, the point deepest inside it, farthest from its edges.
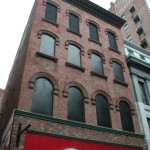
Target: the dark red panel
(43, 142)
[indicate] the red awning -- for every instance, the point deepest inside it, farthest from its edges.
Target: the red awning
(44, 142)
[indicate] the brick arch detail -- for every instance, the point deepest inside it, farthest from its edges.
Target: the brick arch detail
(93, 22)
(75, 84)
(39, 34)
(47, 76)
(101, 92)
(127, 101)
(73, 12)
(76, 44)
(90, 51)
(52, 2)
(111, 31)
(118, 61)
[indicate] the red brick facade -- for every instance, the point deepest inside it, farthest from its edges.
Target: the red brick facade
(62, 77)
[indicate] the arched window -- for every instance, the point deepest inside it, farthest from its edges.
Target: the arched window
(102, 111)
(74, 55)
(42, 97)
(73, 23)
(112, 41)
(51, 12)
(97, 66)
(93, 32)
(47, 45)
(118, 72)
(126, 117)
(75, 105)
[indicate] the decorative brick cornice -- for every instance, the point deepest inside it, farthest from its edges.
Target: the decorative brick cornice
(101, 92)
(127, 101)
(75, 84)
(47, 76)
(98, 12)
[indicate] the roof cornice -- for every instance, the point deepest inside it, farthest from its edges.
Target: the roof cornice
(98, 12)
(136, 47)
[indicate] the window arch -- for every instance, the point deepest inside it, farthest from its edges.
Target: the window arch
(74, 55)
(75, 105)
(51, 11)
(47, 45)
(97, 64)
(118, 71)
(126, 117)
(42, 100)
(103, 111)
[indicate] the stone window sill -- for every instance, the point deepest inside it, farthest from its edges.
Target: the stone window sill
(74, 66)
(99, 75)
(121, 82)
(97, 42)
(44, 19)
(47, 56)
(114, 50)
(76, 33)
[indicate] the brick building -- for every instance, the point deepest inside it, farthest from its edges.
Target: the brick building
(69, 85)
(137, 16)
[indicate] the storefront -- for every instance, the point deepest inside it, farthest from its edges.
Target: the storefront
(38, 141)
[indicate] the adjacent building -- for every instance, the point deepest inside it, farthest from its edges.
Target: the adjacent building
(138, 61)
(137, 16)
(69, 87)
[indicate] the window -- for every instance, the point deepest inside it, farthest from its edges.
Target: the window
(102, 111)
(112, 41)
(42, 97)
(148, 121)
(118, 72)
(74, 55)
(73, 23)
(129, 38)
(123, 17)
(136, 19)
(75, 105)
(143, 92)
(132, 9)
(93, 32)
(97, 65)
(47, 45)
(144, 43)
(51, 12)
(126, 117)
(126, 28)
(140, 31)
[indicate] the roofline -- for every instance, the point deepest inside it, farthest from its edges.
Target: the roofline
(98, 12)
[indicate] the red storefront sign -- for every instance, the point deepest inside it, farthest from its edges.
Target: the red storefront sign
(44, 142)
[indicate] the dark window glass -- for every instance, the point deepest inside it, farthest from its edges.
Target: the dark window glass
(74, 23)
(75, 105)
(97, 65)
(148, 121)
(140, 31)
(129, 38)
(126, 117)
(136, 19)
(42, 97)
(143, 92)
(118, 72)
(74, 55)
(132, 9)
(47, 45)
(102, 110)
(51, 12)
(112, 41)
(93, 32)
(144, 43)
